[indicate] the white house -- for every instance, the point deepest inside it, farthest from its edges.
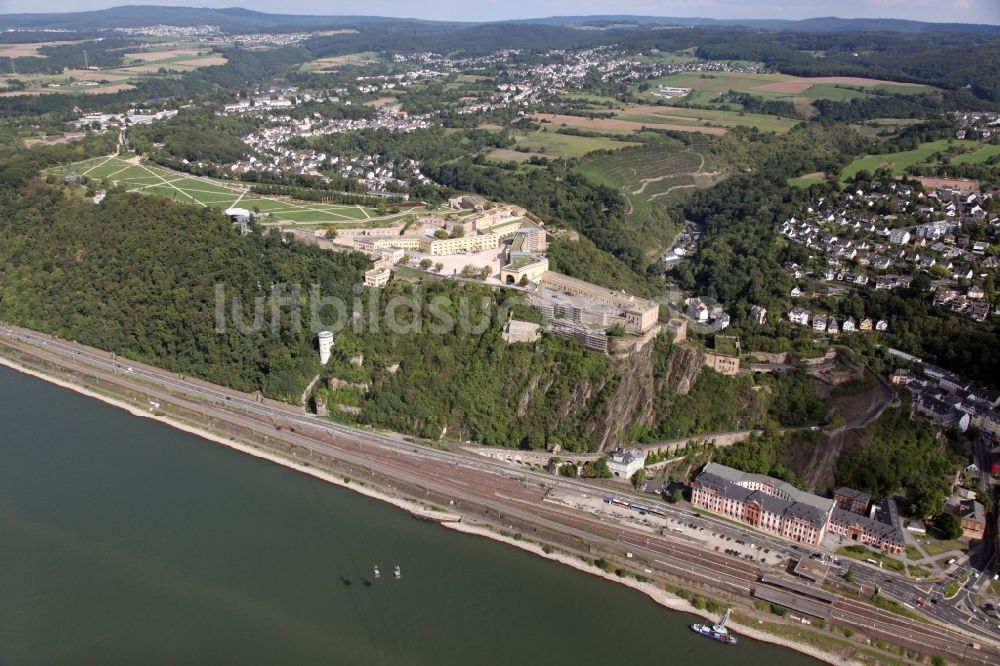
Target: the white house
(624, 463)
(899, 236)
(799, 316)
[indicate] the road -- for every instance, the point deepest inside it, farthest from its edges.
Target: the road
(517, 495)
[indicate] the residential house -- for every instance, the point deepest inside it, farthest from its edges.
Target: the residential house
(972, 515)
(799, 316)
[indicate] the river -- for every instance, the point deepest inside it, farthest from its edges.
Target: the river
(124, 541)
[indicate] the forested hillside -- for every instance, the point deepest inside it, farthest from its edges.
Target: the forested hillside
(137, 275)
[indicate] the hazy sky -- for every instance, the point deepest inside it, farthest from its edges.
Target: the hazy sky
(962, 11)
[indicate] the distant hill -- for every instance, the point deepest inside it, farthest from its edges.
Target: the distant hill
(232, 19)
(237, 19)
(822, 24)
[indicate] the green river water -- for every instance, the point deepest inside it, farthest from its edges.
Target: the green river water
(123, 541)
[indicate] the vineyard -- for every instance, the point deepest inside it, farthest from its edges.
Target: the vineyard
(657, 173)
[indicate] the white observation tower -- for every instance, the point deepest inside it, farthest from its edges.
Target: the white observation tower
(325, 345)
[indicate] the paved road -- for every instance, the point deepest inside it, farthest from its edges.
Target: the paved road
(506, 490)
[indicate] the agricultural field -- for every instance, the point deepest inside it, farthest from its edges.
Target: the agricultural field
(567, 145)
(137, 65)
(150, 179)
(802, 91)
(900, 162)
(619, 125)
(330, 64)
(655, 115)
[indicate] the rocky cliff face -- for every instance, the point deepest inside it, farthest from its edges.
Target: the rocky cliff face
(656, 372)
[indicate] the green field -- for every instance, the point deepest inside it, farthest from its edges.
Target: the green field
(979, 156)
(151, 179)
(706, 87)
(567, 145)
(716, 117)
(833, 91)
(900, 162)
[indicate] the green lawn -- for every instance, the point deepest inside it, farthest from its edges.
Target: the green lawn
(152, 179)
(900, 162)
(862, 553)
(939, 547)
(566, 145)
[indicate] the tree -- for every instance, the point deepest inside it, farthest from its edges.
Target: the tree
(441, 234)
(425, 263)
(485, 272)
(596, 469)
(523, 281)
(638, 478)
(950, 526)
(331, 232)
(569, 469)
(439, 267)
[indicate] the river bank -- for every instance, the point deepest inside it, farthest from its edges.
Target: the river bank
(415, 508)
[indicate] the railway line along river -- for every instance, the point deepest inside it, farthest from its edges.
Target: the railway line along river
(124, 541)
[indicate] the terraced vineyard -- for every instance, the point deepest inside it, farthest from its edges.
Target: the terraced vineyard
(647, 172)
(649, 176)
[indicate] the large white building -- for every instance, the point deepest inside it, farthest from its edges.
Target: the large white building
(624, 463)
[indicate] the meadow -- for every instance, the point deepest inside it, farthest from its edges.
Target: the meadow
(707, 86)
(655, 114)
(898, 163)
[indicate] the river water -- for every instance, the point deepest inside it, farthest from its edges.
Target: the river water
(123, 541)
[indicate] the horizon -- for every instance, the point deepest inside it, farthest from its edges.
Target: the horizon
(985, 12)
